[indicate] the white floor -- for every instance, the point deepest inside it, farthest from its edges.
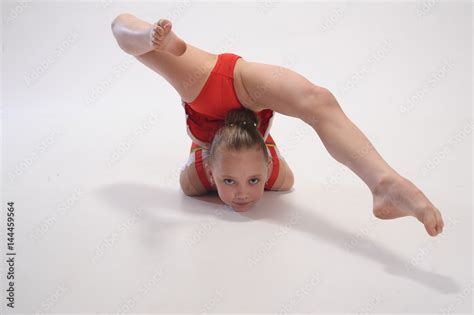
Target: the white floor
(101, 225)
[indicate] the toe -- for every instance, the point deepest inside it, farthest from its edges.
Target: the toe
(159, 30)
(431, 229)
(439, 221)
(430, 225)
(439, 226)
(164, 23)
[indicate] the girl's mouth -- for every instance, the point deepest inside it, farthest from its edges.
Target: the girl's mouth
(241, 204)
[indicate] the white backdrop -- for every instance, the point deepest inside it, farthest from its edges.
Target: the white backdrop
(88, 159)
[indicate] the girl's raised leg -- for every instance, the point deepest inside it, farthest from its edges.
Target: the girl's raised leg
(289, 93)
(183, 65)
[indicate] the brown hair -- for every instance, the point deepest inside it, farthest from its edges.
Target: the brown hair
(239, 132)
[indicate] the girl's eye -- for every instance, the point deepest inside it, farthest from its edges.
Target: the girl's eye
(256, 180)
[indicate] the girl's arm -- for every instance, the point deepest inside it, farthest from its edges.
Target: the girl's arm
(132, 34)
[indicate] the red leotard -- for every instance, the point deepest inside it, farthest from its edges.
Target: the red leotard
(205, 115)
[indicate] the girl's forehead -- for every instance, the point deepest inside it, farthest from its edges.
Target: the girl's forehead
(240, 157)
(228, 160)
(240, 168)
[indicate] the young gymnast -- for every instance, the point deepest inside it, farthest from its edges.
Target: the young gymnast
(229, 104)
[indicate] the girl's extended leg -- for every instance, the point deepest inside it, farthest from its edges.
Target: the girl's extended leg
(184, 66)
(290, 93)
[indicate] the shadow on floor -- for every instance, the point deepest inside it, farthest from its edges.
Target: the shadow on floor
(128, 196)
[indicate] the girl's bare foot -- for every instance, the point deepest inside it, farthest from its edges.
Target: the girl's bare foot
(396, 196)
(162, 38)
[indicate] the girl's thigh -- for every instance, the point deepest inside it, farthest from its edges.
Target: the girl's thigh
(280, 89)
(186, 73)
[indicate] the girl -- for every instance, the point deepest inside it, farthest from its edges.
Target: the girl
(229, 104)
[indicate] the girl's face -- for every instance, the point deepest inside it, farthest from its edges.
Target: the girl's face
(240, 177)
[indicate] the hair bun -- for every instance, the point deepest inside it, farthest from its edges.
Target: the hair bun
(242, 124)
(242, 117)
